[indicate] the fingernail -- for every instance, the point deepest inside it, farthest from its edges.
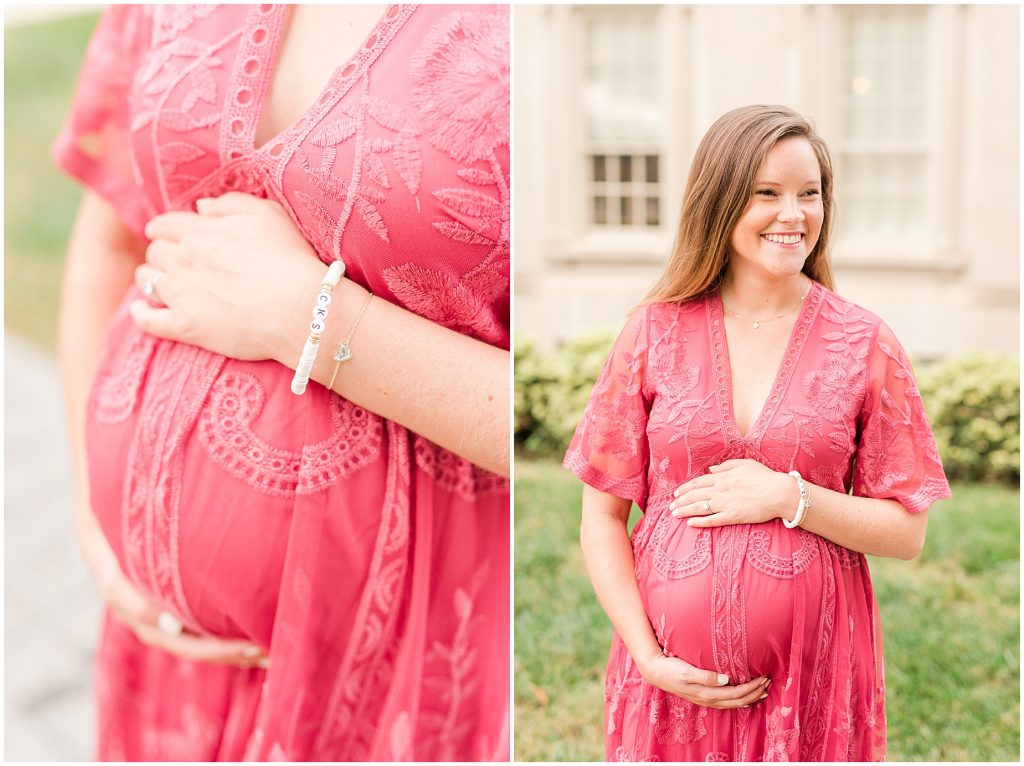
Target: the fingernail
(203, 203)
(723, 679)
(251, 651)
(672, 506)
(766, 680)
(763, 696)
(676, 514)
(690, 522)
(263, 663)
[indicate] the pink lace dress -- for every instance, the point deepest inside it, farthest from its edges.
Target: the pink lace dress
(755, 599)
(372, 563)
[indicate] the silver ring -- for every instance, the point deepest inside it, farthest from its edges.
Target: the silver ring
(169, 625)
(707, 505)
(149, 287)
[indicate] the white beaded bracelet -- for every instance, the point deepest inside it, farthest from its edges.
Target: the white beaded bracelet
(802, 506)
(316, 328)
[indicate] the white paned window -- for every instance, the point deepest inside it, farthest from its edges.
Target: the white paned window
(885, 145)
(623, 117)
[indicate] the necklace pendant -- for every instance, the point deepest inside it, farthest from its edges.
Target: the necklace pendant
(756, 325)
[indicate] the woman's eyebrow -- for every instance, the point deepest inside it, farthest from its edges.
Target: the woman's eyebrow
(773, 183)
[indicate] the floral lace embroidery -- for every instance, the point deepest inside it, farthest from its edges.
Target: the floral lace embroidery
(369, 656)
(115, 394)
(780, 743)
(728, 604)
(675, 720)
(821, 701)
(676, 569)
(623, 756)
(463, 120)
(154, 473)
(453, 473)
(450, 680)
(225, 431)
(764, 561)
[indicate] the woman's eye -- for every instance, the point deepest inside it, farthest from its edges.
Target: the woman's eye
(766, 192)
(812, 193)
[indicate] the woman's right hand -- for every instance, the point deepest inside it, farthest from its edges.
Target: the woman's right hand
(702, 687)
(141, 615)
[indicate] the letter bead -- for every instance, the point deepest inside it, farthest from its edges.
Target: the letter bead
(324, 299)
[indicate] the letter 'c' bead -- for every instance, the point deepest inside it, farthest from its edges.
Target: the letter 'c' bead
(323, 299)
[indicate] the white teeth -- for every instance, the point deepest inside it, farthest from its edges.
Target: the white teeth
(783, 239)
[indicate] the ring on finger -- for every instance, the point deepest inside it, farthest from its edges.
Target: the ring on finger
(149, 287)
(169, 625)
(706, 505)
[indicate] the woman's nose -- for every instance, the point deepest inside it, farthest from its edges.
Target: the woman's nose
(790, 210)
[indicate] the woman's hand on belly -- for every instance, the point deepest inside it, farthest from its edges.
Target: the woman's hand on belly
(141, 616)
(229, 277)
(735, 492)
(702, 687)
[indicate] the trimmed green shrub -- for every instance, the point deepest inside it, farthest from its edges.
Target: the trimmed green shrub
(552, 388)
(973, 402)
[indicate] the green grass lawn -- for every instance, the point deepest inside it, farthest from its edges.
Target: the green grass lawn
(41, 64)
(951, 629)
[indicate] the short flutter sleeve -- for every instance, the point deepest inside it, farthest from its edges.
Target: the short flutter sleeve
(609, 450)
(94, 143)
(897, 458)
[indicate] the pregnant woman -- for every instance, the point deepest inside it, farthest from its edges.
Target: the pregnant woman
(296, 570)
(739, 407)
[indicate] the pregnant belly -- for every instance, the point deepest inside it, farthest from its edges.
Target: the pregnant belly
(738, 600)
(197, 466)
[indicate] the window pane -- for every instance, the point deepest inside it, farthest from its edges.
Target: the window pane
(651, 162)
(884, 86)
(652, 211)
(626, 204)
(621, 77)
(625, 169)
(601, 210)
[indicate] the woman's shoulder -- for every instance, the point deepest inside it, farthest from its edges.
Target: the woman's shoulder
(673, 311)
(848, 317)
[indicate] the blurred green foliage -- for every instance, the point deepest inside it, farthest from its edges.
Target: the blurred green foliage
(973, 402)
(41, 62)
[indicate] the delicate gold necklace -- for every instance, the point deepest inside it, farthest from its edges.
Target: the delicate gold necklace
(758, 322)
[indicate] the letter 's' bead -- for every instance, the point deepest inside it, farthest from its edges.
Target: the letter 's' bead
(316, 326)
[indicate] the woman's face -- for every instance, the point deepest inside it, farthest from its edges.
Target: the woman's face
(782, 221)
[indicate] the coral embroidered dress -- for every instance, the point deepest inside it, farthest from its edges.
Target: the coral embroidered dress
(372, 563)
(754, 599)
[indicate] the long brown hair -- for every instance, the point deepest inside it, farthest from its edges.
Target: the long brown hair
(717, 193)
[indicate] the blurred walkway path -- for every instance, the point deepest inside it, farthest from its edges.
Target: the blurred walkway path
(52, 610)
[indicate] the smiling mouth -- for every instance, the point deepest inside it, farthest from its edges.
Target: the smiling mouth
(784, 239)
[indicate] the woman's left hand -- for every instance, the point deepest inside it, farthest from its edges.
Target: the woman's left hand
(735, 492)
(231, 278)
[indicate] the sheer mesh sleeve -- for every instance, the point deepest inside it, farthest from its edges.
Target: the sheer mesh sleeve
(609, 449)
(94, 144)
(896, 454)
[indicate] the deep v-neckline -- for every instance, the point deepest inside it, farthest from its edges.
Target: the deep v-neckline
(256, 69)
(783, 374)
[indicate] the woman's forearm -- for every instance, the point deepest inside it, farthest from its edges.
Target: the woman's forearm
(864, 524)
(101, 259)
(609, 558)
(443, 385)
